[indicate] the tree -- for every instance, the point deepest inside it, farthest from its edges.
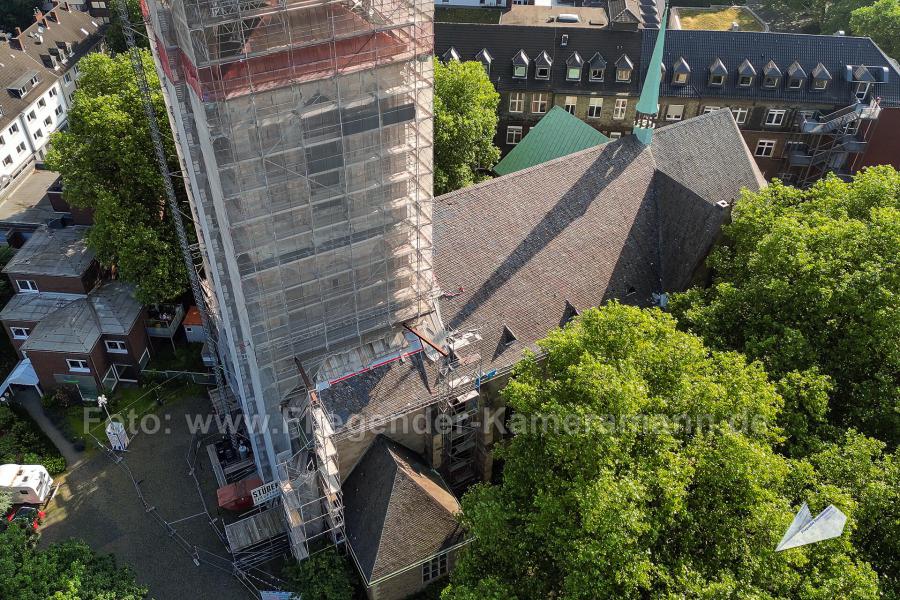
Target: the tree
(108, 164)
(70, 570)
(881, 22)
(115, 39)
(646, 470)
(825, 16)
(809, 282)
(18, 13)
(465, 122)
(325, 575)
(5, 502)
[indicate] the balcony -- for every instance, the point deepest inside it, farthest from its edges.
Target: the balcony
(163, 320)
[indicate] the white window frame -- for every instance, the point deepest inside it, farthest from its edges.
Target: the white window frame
(770, 82)
(573, 73)
(716, 80)
(775, 117)
(435, 568)
(765, 148)
(516, 102)
(520, 71)
(740, 115)
(595, 108)
(78, 365)
(513, 134)
(620, 72)
(116, 346)
(593, 78)
(539, 101)
(542, 72)
(709, 109)
(28, 286)
(620, 109)
(571, 104)
(680, 78)
(614, 135)
(820, 84)
(19, 333)
(674, 112)
(795, 80)
(748, 78)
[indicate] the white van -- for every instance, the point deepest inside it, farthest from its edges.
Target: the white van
(28, 484)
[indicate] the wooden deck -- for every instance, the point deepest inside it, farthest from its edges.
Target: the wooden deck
(255, 529)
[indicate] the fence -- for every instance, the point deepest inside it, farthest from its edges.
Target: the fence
(191, 376)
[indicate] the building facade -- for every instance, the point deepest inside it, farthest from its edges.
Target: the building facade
(39, 72)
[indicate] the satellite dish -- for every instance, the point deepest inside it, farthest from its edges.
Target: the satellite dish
(806, 530)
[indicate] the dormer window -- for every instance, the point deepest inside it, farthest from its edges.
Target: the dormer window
(624, 67)
(745, 80)
(771, 75)
(820, 84)
(746, 73)
(485, 58)
(796, 76)
(542, 66)
(574, 66)
(681, 72)
(597, 67)
(450, 54)
(520, 65)
(716, 80)
(820, 77)
(717, 73)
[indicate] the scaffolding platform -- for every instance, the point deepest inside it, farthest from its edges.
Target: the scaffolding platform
(252, 530)
(229, 473)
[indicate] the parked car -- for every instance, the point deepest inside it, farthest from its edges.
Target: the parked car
(28, 516)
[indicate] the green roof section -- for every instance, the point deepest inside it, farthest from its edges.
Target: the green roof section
(557, 134)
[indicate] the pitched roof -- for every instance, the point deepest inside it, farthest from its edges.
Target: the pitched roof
(14, 65)
(833, 53)
(56, 252)
(34, 307)
(397, 511)
(558, 133)
(620, 220)
(76, 327)
(505, 41)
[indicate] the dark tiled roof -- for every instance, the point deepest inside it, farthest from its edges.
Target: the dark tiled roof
(14, 65)
(397, 510)
(505, 41)
(701, 48)
(55, 252)
(618, 221)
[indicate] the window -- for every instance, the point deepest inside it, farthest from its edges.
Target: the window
(620, 108)
(803, 115)
(67, 78)
(623, 75)
(52, 92)
(716, 80)
(2, 140)
(38, 134)
(520, 71)
(116, 347)
(573, 74)
(20, 148)
(595, 107)
(740, 115)
(775, 117)
(820, 84)
(48, 121)
(14, 128)
(539, 104)
(76, 365)
(26, 285)
(709, 109)
(596, 75)
(7, 160)
(513, 134)
(770, 82)
(675, 112)
(680, 78)
(434, 568)
(516, 102)
(614, 135)
(42, 103)
(745, 80)
(765, 148)
(30, 116)
(20, 333)
(571, 102)
(58, 110)
(795, 84)
(542, 73)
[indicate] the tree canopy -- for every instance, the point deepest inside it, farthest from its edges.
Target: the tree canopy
(465, 122)
(675, 492)
(881, 22)
(325, 575)
(808, 282)
(108, 164)
(18, 13)
(115, 39)
(70, 570)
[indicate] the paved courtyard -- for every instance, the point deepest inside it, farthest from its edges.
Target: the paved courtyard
(97, 502)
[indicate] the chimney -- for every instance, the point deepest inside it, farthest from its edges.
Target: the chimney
(38, 15)
(735, 26)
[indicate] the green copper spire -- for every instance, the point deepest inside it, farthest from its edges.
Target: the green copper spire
(648, 105)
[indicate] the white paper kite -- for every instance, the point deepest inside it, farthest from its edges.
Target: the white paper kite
(806, 530)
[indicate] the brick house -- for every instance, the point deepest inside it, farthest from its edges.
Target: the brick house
(72, 327)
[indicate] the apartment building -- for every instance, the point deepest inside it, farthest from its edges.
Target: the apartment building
(38, 73)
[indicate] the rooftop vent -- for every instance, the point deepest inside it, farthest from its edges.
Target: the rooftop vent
(568, 18)
(564, 41)
(723, 204)
(840, 32)
(735, 26)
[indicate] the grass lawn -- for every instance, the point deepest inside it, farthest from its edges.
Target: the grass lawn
(448, 14)
(718, 20)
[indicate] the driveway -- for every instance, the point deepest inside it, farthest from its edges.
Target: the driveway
(98, 503)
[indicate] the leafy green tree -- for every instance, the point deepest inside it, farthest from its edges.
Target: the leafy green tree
(18, 13)
(70, 570)
(881, 22)
(824, 16)
(808, 281)
(5, 502)
(465, 122)
(325, 575)
(108, 164)
(646, 470)
(115, 39)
